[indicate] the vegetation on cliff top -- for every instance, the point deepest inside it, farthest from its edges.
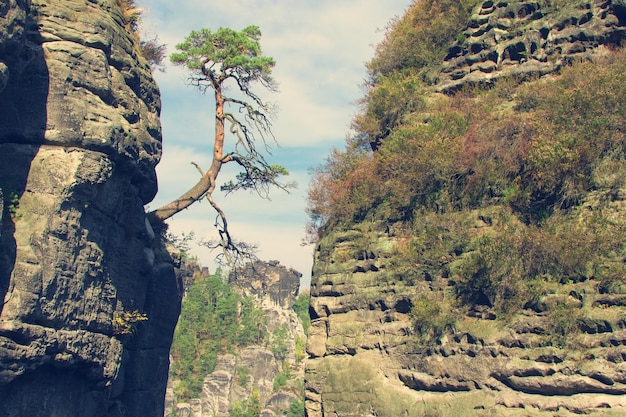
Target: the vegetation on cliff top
(541, 152)
(150, 48)
(540, 163)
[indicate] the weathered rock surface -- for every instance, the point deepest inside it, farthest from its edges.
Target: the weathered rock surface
(530, 38)
(365, 359)
(79, 141)
(269, 282)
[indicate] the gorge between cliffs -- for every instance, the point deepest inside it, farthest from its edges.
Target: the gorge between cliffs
(469, 252)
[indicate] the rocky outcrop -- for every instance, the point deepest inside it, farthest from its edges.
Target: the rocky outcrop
(366, 359)
(254, 370)
(530, 38)
(369, 354)
(80, 266)
(268, 282)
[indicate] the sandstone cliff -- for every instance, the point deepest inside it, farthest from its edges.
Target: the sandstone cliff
(525, 39)
(80, 267)
(366, 360)
(388, 337)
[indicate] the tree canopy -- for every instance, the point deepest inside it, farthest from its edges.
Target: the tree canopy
(217, 60)
(226, 53)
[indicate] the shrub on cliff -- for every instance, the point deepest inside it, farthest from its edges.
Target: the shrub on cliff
(561, 140)
(250, 407)
(422, 36)
(150, 49)
(131, 14)
(537, 150)
(301, 307)
(413, 47)
(153, 52)
(429, 319)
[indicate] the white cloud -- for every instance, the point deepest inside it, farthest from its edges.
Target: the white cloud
(320, 48)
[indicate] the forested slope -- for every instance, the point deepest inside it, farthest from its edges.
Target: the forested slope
(239, 344)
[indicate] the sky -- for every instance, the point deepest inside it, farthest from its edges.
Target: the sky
(320, 48)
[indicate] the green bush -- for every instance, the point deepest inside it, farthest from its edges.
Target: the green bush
(280, 381)
(577, 123)
(241, 374)
(422, 36)
(506, 268)
(386, 104)
(338, 190)
(429, 319)
(563, 323)
(296, 409)
(301, 307)
(300, 349)
(278, 344)
(247, 408)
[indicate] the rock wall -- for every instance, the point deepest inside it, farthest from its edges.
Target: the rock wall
(530, 38)
(365, 358)
(80, 265)
(269, 283)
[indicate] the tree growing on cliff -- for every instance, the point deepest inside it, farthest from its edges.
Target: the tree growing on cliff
(216, 61)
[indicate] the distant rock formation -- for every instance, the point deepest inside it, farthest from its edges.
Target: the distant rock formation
(274, 289)
(270, 283)
(80, 267)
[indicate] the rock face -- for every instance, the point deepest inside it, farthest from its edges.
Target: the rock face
(530, 38)
(366, 357)
(254, 369)
(270, 283)
(80, 266)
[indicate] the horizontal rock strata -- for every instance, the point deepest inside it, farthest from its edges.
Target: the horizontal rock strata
(365, 358)
(530, 39)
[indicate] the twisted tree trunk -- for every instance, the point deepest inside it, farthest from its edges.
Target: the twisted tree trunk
(206, 185)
